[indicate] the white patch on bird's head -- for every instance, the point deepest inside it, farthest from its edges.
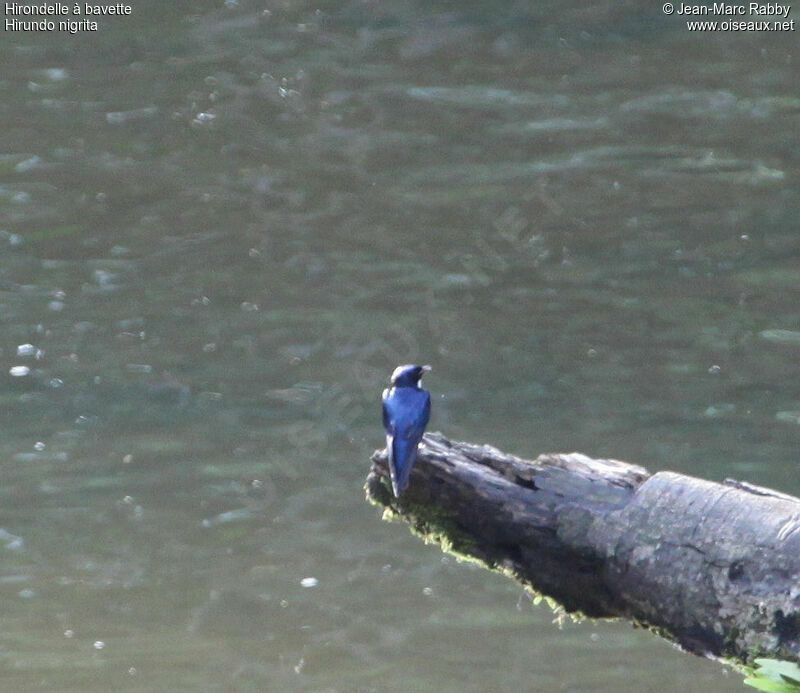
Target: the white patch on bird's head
(409, 373)
(399, 372)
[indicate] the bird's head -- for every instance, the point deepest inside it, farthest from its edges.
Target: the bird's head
(408, 376)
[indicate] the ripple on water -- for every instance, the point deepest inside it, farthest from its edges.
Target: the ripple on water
(12, 542)
(780, 336)
(477, 96)
(709, 104)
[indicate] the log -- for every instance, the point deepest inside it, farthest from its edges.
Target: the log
(715, 568)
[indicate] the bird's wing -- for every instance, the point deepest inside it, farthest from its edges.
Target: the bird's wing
(417, 419)
(409, 421)
(426, 410)
(389, 427)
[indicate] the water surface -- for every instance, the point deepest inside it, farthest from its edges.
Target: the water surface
(220, 230)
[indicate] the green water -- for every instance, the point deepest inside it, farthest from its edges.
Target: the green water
(222, 227)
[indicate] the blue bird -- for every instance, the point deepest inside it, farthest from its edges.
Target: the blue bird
(406, 410)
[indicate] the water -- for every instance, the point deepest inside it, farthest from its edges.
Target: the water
(221, 229)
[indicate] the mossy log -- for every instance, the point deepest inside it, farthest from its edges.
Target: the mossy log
(713, 567)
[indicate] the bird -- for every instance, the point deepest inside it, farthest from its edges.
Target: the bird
(406, 410)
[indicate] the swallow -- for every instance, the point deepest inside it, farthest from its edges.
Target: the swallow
(406, 410)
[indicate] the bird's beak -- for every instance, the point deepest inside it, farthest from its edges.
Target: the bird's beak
(427, 368)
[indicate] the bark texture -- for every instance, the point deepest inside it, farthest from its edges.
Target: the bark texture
(713, 567)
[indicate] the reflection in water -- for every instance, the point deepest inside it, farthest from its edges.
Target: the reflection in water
(221, 229)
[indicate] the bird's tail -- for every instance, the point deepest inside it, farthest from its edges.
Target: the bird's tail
(390, 453)
(402, 454)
